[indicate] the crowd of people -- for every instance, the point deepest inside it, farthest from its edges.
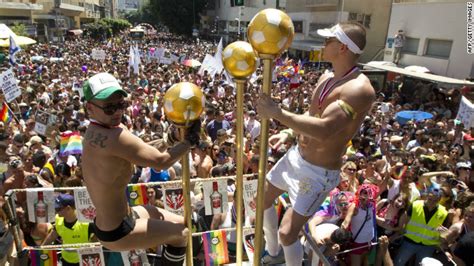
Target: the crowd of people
(406, 185)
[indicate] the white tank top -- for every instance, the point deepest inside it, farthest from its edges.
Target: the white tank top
(367, 232)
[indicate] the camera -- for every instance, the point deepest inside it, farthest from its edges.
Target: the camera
(15, 163)
(453, 182)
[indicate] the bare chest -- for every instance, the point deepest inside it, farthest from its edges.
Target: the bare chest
(322, 99)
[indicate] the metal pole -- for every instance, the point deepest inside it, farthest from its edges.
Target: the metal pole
(315, 248)
(187, 202)
(239, 182)
(238, 29)
(262, 164)
(14, 226)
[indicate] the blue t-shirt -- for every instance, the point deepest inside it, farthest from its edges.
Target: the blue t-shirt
(213, 126)
(157, 176)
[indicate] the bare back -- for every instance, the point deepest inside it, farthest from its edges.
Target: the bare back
(106, 176)
(357, 92)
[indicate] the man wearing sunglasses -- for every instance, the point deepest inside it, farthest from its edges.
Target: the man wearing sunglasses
(109, 152)
(310, 170)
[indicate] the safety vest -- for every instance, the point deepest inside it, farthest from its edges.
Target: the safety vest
(420, 232)
(79, 233)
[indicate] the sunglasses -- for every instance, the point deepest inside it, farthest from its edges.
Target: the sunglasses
(342, 204)
(351, 169)
(330, 40)
(111, 108)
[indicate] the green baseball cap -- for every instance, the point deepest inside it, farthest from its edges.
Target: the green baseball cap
(101, 86)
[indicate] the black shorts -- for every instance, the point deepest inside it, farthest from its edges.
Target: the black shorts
(127, 225)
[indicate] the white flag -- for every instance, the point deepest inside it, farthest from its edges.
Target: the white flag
(131, 59)
(218, 57)
(136, 61)
(209, 63)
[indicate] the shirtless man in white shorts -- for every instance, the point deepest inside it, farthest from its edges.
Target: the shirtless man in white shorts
(310, 170)
(110, 151)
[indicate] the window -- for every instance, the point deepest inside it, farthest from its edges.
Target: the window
(363, 19)
(298, 24)
(411, 45)
(367, 19)
(352, 16)
(438, 48)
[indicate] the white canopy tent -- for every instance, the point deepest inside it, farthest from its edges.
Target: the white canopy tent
(6, 32)
(419, 75)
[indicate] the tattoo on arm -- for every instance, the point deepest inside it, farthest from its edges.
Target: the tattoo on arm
(96, 139)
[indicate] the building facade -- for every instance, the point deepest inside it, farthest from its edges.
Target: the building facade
(223, 17)
(436, 36)
(311, 15)
(19, 11)
(49, 20)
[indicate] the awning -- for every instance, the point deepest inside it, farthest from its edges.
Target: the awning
(424, 76)
(75, 32)
(306, 45)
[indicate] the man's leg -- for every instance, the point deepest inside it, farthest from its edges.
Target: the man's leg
(290, 227)
(406, 251)
(270, 219)
(398, 54)
(174, 251)
(395, 55)
(424, 252)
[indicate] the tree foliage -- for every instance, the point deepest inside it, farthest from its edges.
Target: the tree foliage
(19, 29)
(106, 27)
(144, 15)
(178, 17)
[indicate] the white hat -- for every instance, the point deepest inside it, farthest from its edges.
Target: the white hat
(101, 86)
(430, 262)
(35, 139)
(337, 32)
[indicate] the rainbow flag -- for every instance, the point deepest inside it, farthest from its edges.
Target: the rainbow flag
(43, 257)
(280, 205)
(215, 248)
(137, 194)
(401, 173)
(6, 114)
(71, 143)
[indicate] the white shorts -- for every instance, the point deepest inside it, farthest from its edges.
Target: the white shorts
(307, 184)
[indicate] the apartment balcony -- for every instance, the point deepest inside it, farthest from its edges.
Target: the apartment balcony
(90, 14)
(72, 6)
(322, 3)
(20, 5)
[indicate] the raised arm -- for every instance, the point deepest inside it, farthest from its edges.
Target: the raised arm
(347, 221)
(335, 117)
(138, 152)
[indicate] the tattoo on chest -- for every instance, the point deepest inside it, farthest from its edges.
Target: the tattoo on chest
(96, 139)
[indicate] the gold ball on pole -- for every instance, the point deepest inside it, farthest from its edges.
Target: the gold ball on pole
(239, 59)
(183, 102)
(270, 31)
